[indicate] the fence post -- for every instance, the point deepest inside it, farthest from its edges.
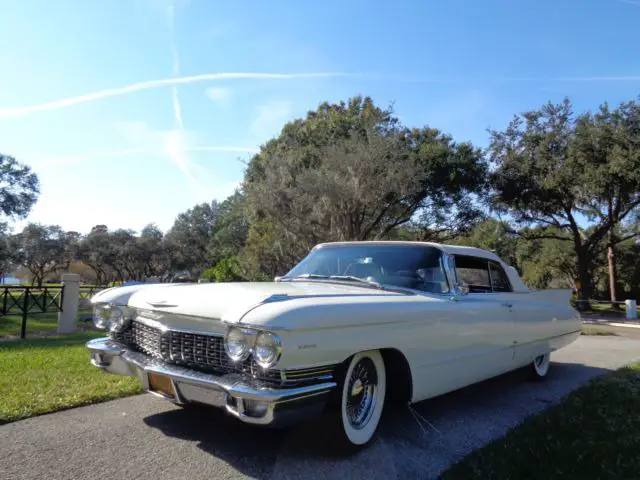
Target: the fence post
(25, 310)
(68, 317)
(632, 309)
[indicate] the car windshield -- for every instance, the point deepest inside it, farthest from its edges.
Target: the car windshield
(410, 266)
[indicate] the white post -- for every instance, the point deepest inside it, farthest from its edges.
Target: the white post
(68, 317)
(632, 309)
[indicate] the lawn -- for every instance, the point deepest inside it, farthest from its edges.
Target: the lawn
(40, 323)
(607, 309)
(47, 374)
(598, 330)
(594, 433)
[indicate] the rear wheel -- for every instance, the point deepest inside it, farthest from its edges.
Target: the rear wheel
(362, 394)
(540, 366)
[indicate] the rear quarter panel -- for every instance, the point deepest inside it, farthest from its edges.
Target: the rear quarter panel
(545, 321)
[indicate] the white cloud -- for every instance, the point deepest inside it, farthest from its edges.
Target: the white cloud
(220, 95)
(271, 118)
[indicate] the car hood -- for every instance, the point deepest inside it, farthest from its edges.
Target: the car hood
(229, 302)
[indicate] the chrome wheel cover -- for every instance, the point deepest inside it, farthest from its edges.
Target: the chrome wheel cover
(362, 389)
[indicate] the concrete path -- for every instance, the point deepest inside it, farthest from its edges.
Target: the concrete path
(144, 437)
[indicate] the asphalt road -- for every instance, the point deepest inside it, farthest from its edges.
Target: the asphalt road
(144, 437)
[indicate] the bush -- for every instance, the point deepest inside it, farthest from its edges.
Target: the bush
(226, 270)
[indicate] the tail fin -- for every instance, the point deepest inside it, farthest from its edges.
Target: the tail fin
(554, 295)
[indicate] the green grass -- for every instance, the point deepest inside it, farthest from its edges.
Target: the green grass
(609, 310)
(44, 375)
(598, 331)
(41, 323)
(594, 433)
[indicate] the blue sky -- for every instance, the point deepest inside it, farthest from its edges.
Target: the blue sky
(131, 111)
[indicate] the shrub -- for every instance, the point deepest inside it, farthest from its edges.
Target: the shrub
(226, 270)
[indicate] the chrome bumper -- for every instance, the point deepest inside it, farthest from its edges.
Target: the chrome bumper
(243, 398)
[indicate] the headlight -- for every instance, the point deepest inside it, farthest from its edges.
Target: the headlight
(267, 349)
(237, 344)
(110, 317)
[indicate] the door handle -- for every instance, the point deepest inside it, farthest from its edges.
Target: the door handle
(507, 304)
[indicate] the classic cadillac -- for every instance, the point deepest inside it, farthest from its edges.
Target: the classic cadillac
(352, 327)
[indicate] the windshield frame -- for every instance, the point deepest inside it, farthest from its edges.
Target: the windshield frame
(444, 260)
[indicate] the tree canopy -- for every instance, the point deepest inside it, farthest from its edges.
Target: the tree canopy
(352, 171)
(578, 174)
(556, 194)
(19, 188)
(41, 249)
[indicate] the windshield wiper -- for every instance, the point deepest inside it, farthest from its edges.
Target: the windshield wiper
(351, 278)
(303, 276)
(348, 278)
(344, 278)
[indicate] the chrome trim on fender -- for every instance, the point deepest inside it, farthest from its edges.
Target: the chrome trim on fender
(252, 401)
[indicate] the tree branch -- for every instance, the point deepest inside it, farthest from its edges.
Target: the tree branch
(537, 236)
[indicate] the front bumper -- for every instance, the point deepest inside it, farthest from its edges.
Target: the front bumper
(243, 398)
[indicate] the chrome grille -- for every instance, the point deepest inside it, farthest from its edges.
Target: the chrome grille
(204, 352)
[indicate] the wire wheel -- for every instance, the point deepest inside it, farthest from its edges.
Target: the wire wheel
(362, 388)
(362, 397)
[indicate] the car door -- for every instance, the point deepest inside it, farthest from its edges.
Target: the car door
(489, 312)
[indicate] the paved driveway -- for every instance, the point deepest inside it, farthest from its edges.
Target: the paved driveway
(144, 437)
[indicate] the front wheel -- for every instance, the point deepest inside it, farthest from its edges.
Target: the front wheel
(540, 366)
(363, 390)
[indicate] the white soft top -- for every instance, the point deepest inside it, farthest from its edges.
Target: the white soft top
(516, 282)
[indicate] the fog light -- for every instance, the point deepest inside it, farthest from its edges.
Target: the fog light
(255, 408)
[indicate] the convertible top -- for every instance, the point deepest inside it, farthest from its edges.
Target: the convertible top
(451, 249)
(516, 282)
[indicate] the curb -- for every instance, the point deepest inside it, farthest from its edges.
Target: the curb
(607, 323)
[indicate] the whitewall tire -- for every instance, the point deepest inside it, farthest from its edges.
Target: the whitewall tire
(362, 395)
(540, 365)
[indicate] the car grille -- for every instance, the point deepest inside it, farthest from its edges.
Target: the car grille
(203, 352)
(206, 352)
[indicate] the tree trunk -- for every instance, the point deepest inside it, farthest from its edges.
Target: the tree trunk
(584, 292)
(613, 274)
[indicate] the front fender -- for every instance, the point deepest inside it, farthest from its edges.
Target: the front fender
(121, 295)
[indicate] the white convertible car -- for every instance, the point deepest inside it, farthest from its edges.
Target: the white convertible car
(352, 327)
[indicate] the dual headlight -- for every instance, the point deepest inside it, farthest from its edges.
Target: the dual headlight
(266, 347)
(108, 316)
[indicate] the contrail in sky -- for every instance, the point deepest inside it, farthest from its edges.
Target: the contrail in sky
(153, 84)
(10, 112)
(175, 143)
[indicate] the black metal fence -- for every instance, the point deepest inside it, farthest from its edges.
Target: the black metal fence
(86, 292)
(25, 301)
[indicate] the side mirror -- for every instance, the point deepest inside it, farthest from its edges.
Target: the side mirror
(458, 287)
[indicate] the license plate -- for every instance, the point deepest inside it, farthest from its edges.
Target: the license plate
(161, 384)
